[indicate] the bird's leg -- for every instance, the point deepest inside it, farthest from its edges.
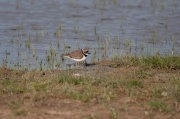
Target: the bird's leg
(79, 64)
(76, 64)
(85, 64)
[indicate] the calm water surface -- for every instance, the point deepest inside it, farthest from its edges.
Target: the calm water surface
(27, 28)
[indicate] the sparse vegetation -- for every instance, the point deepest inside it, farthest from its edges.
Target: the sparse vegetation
(20, 112)
(137, 79)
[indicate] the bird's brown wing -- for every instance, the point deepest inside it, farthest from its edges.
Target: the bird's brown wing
(77, 54)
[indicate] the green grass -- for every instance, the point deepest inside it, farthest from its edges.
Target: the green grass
(133, 83)
(20, 112)
(156, 92)
(175, 87)
(162, 62)
(12, 86)
(16, 103)
(136, 79)
(157, 61)
(71, 80)
(159, 105)
(40, 86)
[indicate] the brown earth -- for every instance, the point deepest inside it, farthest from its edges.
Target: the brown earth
(63, 107)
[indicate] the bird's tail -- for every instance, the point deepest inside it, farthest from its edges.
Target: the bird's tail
(64, 55)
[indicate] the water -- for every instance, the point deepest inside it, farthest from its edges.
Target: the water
(122, 26)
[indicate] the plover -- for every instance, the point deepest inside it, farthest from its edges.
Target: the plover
(77, 55)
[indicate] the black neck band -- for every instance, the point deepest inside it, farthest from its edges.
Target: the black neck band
(83, 53)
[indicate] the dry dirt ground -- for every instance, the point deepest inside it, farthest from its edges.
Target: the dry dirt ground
(62, 107)
(74, 109)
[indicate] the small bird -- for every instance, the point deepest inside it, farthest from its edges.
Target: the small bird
(77, 55)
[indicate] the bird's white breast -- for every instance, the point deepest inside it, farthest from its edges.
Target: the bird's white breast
(79, 60)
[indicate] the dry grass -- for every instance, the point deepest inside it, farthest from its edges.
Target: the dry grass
(132, 89)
